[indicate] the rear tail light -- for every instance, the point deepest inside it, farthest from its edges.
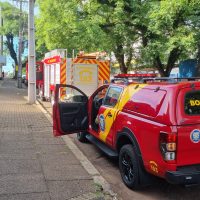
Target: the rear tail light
(168, 145)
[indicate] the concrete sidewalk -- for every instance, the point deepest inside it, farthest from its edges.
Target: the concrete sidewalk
(34, 164)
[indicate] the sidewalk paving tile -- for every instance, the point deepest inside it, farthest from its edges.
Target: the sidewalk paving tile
(12, 145)
(58, 159)
(19, 167)
(65, 172)
(48, 141)
(15, 136)
(22, 183)
(29, 196)
(52, 149)
(23, 155)
(59, 190)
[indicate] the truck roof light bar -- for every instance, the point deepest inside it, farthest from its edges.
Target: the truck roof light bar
(130, 78)
(144, 78)
(151, 75)
(171, 80)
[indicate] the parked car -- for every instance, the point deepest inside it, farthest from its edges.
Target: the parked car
(152, 125)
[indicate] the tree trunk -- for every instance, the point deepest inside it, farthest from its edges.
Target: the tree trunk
(10, 46)
(129, 58)
(159, 66)
(173, 57)
(198, 60)
(119, 54)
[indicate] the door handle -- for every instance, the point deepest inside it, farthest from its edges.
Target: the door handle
(109, 114)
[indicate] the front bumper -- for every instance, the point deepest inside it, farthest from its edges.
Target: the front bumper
(183, 177)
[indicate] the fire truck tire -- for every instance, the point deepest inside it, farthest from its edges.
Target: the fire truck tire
(81, 136)
(129, 167)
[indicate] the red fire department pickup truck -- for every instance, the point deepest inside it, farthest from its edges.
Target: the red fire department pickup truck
(151, 124)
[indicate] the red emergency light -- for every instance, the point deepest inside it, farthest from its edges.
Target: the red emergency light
(152, 75)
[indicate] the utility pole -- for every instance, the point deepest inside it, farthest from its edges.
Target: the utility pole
(1, 41)
(31, 55)
(19, 77)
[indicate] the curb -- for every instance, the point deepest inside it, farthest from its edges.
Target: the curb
(88, 166)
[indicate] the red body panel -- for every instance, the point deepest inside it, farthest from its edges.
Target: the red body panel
(147, 133)
(39, 73)
(188, 151)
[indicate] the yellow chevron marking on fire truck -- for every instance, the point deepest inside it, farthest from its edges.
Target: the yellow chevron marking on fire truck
(63, 73)
(63, 80)
(102, 76)
(128, 92)
(103, 71)
(104, 67)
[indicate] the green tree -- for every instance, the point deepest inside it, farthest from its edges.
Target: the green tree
(169, 34)
(194, 20)
(157, 33)
(10, 28)
(86, 25)
(62, 24)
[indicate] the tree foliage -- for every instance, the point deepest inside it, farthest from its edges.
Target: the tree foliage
(62, 24)
(155, 33)
(10, 29)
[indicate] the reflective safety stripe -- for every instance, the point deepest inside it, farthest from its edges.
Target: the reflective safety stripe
(63, 79)
(128, 92)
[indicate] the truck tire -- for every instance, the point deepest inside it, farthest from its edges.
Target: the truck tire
(129, 167)
(81, 136)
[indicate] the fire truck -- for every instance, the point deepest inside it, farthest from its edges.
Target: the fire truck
(87, 71)
(39, 74)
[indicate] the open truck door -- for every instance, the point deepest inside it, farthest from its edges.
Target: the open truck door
(70, 110)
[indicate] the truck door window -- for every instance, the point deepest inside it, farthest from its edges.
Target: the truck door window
(71, 95)
(192, 103)
(112, 96)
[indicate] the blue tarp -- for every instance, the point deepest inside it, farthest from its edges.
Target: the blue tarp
(188, 68)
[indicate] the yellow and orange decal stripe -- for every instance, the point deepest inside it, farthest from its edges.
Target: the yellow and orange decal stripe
(63, 71)
(104, 70)
(128, 92)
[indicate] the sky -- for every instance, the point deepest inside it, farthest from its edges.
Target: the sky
(9, 61)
